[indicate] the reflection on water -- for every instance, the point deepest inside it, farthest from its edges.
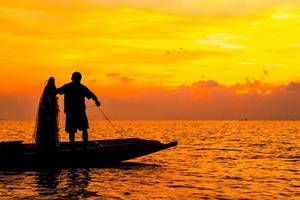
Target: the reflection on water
(214, 159)
(47, 182)
(71, 184)
(64, 184)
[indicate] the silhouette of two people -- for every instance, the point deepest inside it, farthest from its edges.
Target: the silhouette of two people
(74, 106)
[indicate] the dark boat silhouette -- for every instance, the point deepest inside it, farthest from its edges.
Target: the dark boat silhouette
(96, 154)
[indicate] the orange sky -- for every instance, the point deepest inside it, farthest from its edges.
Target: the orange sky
(131, 49)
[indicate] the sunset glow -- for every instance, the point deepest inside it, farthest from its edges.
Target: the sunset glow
(132, 49)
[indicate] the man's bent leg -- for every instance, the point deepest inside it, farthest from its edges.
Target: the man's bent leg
(72, 139)
(85, 136)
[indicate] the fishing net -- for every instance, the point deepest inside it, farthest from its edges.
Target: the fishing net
(46, 128)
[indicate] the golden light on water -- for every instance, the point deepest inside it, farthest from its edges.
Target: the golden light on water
(214, 159)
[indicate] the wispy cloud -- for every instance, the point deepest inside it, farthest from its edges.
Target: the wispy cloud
(294, 86)
(120, 77)
(201, 100)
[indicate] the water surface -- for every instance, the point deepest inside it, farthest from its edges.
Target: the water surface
(214, 160)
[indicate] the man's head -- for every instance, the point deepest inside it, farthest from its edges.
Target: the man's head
(76, 77)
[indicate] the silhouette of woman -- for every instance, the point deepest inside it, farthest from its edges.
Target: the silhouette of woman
(46, 128)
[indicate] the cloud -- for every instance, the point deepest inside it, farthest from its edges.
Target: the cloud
(294, 87)
(210, 100)
(201, 100)
(113, 75)
(125, 79)
(253, 86)
(118, 76)
(208, 84)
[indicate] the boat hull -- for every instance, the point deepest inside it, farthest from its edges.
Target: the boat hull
(95, 154)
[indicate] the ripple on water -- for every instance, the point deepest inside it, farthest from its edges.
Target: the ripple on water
(214, 160)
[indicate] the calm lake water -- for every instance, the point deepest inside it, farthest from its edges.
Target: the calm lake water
(214, 160)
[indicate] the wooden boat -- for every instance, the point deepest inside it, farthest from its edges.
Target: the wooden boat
(97, 153)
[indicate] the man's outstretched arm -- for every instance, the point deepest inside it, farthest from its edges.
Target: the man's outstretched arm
(91, 95)
(94, 97)
(60, 90)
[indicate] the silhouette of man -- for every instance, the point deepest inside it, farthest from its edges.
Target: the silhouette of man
(74, 107)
